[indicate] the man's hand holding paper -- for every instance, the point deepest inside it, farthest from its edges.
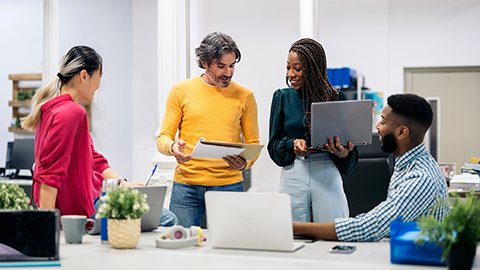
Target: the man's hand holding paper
(235, 162)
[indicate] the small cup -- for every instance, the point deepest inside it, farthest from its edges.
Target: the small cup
(74, 228)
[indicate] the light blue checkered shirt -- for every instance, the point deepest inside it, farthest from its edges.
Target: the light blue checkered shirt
(417, 188)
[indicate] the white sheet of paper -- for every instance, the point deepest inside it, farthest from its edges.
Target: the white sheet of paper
(213, 151)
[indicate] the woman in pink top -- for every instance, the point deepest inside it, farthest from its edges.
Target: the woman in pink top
(68, 172)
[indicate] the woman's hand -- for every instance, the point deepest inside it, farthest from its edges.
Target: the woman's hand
(337, 149)
(109, 173)
(300, 147)
(131, 184)
(235, 162)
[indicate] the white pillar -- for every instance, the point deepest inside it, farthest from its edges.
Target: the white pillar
(309, 27)
(50, 40)
(168, 75)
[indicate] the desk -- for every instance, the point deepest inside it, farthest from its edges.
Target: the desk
(93, 255)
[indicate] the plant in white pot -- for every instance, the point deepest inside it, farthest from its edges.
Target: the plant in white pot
(123, 208)
(13, 197)
(458, 233)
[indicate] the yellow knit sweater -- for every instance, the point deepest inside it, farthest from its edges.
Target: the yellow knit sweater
(197, 110)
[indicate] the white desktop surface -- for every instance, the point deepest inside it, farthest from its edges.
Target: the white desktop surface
(91, 254)
(17, 181)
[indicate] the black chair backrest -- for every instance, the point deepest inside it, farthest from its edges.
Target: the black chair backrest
(367, 185)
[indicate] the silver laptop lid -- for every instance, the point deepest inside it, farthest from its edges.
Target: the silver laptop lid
(151, 219)
(350, 120)
(245, 220)
(155, 199)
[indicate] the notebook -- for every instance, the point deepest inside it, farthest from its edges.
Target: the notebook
(29, 237)
(151, 219)
(350, 120)
(248, 220)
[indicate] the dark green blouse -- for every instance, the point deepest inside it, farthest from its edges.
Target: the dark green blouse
(287, 123)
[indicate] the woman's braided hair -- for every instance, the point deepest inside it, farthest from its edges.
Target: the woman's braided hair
(317, 87)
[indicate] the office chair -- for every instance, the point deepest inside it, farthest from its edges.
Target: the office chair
(367, 185)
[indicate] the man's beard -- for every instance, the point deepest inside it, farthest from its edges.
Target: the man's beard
(389, 144)
(216, 80)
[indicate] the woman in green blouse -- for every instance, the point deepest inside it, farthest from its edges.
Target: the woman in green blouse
(312, 178)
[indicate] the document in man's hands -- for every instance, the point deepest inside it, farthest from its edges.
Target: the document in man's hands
(215, 149)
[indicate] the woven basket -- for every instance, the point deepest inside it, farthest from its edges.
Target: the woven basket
(123, 233)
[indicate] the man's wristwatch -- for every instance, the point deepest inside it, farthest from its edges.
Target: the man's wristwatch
(171, 146)
(121, 180)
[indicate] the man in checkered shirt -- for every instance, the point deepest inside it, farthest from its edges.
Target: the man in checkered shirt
(417, 186)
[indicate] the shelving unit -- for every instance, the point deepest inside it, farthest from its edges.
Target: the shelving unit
(16, 104)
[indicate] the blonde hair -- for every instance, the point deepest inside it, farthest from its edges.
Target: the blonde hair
(77, 59)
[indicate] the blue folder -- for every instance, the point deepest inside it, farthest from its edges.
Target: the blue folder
(348, 77)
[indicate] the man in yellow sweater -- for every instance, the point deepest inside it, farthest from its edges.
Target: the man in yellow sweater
(214, 107)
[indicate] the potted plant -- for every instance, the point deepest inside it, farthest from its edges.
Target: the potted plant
(458, 233)
(123, 208)
(13, 197)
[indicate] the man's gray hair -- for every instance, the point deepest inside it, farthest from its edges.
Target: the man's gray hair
(214, 46)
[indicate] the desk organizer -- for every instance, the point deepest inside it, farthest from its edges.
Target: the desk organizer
(403, 249)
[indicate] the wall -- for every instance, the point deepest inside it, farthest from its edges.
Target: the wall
(20, 52)
(380, 38)
(355, 34)
(433, 34)
(145, 87)
(106, 26)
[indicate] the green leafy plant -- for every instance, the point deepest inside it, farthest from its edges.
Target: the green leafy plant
(22, 95)
(123, 203)
(32, 93)
(461, 226)
(13, 197)
(25, 95)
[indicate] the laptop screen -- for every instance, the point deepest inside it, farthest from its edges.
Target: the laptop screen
(29, 235)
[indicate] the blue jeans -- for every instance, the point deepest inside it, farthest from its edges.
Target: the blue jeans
(188, 201)
(168, 218)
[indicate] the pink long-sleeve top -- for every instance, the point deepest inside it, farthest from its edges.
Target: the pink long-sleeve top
(65, 157)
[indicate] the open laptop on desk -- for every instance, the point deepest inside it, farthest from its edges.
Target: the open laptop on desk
(151, 219)
(248, 220)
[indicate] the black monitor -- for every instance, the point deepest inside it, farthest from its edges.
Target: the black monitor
(8, 160)
(23, 156)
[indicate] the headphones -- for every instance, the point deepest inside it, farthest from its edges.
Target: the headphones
(179, 237)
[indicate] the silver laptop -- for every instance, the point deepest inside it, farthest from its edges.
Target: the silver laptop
(247, 220)
(151, 219)
(350, 120)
